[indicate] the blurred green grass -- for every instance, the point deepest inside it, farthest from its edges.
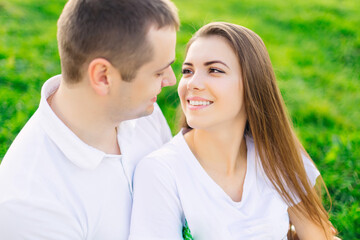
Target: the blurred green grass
(315, 51)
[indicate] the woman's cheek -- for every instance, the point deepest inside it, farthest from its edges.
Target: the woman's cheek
(182, 90)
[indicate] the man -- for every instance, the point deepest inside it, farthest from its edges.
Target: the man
(68, 174)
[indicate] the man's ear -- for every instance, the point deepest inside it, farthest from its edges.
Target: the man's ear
(99, 71)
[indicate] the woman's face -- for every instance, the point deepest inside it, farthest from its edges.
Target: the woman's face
(211, 88)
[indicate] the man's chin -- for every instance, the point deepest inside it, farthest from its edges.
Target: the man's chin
(148, 111)
(140, 113)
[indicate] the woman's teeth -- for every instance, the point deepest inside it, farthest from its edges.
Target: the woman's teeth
(199, 103)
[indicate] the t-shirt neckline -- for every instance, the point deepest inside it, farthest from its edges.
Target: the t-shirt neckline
(210, 182)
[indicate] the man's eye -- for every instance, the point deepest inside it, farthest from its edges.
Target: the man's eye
(215, 70)
(159, 74)
(186, 71)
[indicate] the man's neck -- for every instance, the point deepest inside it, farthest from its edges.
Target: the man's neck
(80, 111)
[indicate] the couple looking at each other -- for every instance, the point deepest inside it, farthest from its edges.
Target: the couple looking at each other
(235, 171)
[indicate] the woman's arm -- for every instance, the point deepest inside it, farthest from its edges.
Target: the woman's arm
(307, 229)
(157, 212)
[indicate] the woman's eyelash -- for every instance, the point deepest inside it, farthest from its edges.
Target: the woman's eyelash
(186, 71)
(211, 70)
(215, 70)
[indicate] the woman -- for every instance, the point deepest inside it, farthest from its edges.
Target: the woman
(236, 170)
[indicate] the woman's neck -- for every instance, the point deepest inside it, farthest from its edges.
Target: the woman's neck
(222, 149)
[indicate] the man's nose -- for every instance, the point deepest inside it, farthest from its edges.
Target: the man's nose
(169, 78)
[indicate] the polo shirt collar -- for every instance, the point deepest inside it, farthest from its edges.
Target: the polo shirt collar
(78, 152)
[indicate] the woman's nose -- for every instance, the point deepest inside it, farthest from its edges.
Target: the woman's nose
(196, 82)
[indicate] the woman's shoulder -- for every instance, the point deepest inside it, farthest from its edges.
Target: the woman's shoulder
(172, 150)
(168, 156)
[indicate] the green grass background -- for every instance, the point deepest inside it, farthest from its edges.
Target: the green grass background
(315, 51)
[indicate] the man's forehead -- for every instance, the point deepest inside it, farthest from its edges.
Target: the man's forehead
(160, 36)
(165, 67)
(162, 41)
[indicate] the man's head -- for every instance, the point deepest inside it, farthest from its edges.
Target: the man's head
(115, 30)
(121, 49)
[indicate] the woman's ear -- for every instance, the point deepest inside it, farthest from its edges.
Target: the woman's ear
(99, 75)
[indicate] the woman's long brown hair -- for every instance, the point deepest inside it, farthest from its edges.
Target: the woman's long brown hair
(278, 148)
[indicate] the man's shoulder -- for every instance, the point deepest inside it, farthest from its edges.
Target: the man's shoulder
(29, 139)
(22, 160)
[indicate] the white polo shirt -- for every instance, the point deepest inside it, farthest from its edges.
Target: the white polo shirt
(170, 186)
(54, 186)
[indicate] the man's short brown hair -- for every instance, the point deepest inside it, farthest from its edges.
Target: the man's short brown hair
(112, 29)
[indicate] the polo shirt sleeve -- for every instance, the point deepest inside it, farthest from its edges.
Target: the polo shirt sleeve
(165, 132)
(157, 212)
(22, 219)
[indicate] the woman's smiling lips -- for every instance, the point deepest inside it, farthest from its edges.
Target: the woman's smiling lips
(196, 103)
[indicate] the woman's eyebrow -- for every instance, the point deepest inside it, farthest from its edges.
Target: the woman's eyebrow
(216, 61)
(208, 63)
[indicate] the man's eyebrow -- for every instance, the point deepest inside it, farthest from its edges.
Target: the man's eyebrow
(162, 69)
(216, 61)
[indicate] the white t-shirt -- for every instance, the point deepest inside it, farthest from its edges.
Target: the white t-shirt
(54, 186)
(170, 186)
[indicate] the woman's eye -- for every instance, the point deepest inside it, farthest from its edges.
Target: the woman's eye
(186, 71)
(215, 70)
